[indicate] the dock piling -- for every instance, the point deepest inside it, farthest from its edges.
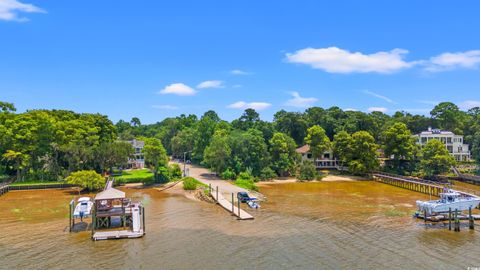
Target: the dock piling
(471, 221)
(233, 204)
(450, 219)
(457, 221)
(238, 207)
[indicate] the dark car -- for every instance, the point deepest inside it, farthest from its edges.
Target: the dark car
(243, 197)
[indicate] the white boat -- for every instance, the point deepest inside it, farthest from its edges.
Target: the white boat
(253, 204)
(83, 208)
(450, 199)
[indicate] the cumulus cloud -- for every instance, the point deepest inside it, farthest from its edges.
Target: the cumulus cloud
(165, 107)
(449, 61)
(300, 102)
(239, 72)
(210, 84)
(179, 89)
(377, 109)
(350, 110)
(336, 60)
(373, 94)
(249, 105)
(468, 104)
(9, 10)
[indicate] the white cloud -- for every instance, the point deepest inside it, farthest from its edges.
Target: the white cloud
(377, 109)
(210, 84)
(449, 61)
(178, 89)
(350, 110)
(249, 105)
(239, 72)
(468, 104)
(9, 10)
(300, 102)
(373, 94)
(336, 60)
(165, 107)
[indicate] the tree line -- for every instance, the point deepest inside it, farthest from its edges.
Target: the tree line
(50, 144)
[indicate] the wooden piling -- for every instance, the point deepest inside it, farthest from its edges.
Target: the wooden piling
(217, 193)
(471, 221)
(143, 218)
(425, 216)
(238, 200)
(457, 221)
(450, 219)
(233, 204)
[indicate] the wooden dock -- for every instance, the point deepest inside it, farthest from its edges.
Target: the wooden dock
(4, 189)
(229, 206)
(106, 235)
(418, 185)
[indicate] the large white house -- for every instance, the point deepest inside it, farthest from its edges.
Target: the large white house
(453, 143)
(138, 159)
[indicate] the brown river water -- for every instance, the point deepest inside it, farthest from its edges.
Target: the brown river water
(325, 225)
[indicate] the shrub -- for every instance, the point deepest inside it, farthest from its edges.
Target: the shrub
(90, 180)
(144, 176)
(228, 174)
(246, 180)
(163, 175)
(190, 183)
(267, 173)
(307, 171)
(175, 172)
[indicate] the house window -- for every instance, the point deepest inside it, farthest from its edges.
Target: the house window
(309, 155)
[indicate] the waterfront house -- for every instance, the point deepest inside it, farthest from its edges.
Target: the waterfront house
(138, 159)
(453, 143)
(326, 161)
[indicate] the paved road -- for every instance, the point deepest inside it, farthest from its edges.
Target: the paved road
(207, 177)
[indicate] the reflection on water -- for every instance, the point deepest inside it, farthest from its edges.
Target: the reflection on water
(302, 225)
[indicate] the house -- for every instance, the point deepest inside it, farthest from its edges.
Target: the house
(138, 159)
(453, 143)
(326, 161)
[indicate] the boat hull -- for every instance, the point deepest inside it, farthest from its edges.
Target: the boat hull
(432, 207)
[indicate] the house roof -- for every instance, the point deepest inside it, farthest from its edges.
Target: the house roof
(304, 149)
(110, 194)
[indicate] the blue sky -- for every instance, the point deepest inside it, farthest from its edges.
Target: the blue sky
(154, 59)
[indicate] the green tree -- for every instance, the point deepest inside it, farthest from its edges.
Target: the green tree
(19, 160)
(7, 107)
(217, 154)
(183, 142)
(399, 143)
(447, 115)
(291, 123)
(435, 158)
(341, 146)
(307, 171)
(318, 141)
(110, 154)
(90, 179)
(363, 153)
(248, 120)
(155, 155)
(282, 151)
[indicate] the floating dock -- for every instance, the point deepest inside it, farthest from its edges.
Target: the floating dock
(107, 235)
(229, 206)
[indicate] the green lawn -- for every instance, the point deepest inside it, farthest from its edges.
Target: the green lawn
(35, 183)
(134, 176)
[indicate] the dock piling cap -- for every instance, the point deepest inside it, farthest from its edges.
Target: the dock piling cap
(110, 194)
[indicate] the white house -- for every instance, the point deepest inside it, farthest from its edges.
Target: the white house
(138, 159)
(453, 143)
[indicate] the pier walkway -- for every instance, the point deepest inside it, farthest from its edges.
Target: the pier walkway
(418, 185)
(229, 206)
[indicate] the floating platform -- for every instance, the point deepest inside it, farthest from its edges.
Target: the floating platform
(106, 235)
